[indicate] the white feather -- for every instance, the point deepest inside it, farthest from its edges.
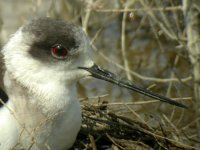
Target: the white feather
(46, 111)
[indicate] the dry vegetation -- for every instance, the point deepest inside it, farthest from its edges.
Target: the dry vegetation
(103, 129)
(151, 42)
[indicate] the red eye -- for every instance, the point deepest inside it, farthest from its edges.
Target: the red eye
(59, 51)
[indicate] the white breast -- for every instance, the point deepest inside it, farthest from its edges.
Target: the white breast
(7, 128)
(37, 122)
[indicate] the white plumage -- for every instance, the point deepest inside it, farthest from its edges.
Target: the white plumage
(43, 110)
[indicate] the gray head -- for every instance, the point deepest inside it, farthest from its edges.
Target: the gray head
(49, 47)
(55, 38)
(47, 50)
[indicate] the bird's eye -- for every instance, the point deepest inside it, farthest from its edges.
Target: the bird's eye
(60, 52)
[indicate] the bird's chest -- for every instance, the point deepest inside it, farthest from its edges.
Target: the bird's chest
(56, 131)
(47, 115)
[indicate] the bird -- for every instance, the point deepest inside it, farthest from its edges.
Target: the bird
(43, 61)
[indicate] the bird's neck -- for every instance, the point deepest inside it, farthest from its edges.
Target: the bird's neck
(42, 98)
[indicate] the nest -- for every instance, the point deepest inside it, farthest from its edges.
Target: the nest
(102, 129)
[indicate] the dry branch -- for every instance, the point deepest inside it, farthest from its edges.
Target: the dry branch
(102, 129)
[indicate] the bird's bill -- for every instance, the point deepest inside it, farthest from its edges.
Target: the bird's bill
(103, 74)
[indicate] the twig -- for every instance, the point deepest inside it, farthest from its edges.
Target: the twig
(136, 103)
(92, 142)
(123, 41)
(86, 17)
(136, 10)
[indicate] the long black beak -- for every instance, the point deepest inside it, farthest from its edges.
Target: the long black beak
(102, 74)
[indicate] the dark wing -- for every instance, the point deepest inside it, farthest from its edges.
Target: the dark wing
(3, 95)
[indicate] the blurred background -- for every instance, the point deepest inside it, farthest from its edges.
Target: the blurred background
(145, 41)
